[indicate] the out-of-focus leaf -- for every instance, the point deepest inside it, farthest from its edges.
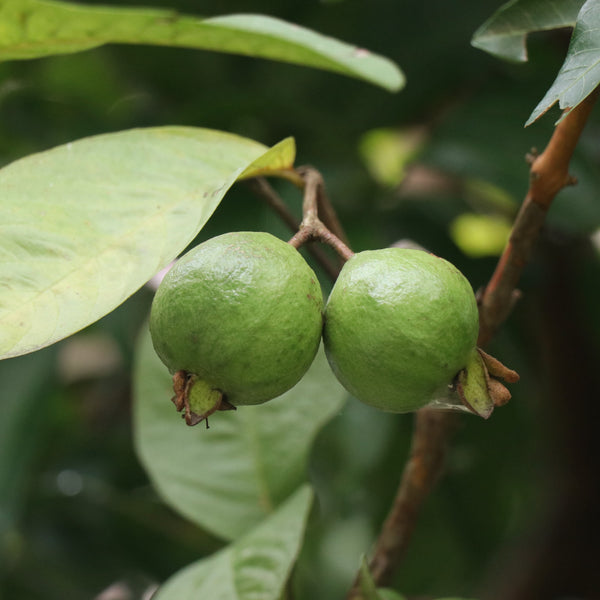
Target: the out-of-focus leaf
(504, 34)
(256, 566)
(580, 73)
(84, 225)
(230, 477)
(387, 152)
(34, 28)
(480, 235)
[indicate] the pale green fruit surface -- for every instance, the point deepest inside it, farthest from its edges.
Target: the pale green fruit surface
(399, 326)
(243, 312)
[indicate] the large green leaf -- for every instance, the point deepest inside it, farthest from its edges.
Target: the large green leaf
(84, 225)
(580, 73)
(504, 34)
(229, 477)
(255, 567)
(34, 28)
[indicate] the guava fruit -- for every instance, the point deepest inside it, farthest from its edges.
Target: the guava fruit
(238, 321)
(400, 324)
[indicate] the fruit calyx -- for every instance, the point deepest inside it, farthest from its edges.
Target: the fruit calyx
(478, 385)
(196, 398)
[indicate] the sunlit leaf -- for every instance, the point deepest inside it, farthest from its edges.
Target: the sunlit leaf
(580, 73)
(256, 566)
(84, 225)
(504, 34)
(35, 28)
(231, 476)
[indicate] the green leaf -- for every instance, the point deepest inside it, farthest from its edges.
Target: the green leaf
(84, 225)
(256, 566)
(35, 28)
(229, 477)
(580, 73)
(504, 34)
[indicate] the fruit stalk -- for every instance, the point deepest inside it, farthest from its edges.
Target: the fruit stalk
(312, 228)
(261, 187)
(324, 207)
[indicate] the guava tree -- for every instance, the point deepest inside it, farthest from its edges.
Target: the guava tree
(322, 482)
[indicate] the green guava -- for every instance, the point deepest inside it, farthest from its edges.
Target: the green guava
(240, 315)
(400, 325)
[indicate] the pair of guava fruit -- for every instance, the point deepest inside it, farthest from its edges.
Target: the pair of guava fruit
(239, 318)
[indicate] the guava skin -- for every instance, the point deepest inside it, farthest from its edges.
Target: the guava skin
(241, 311)
(399, 326)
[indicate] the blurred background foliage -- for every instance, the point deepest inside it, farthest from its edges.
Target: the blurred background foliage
(441, 163)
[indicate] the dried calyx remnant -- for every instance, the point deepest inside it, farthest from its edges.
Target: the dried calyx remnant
(196, 399)
(478, 385)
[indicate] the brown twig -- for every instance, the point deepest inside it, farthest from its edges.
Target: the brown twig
(327, 213)
(548, 175)
(261, 187)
